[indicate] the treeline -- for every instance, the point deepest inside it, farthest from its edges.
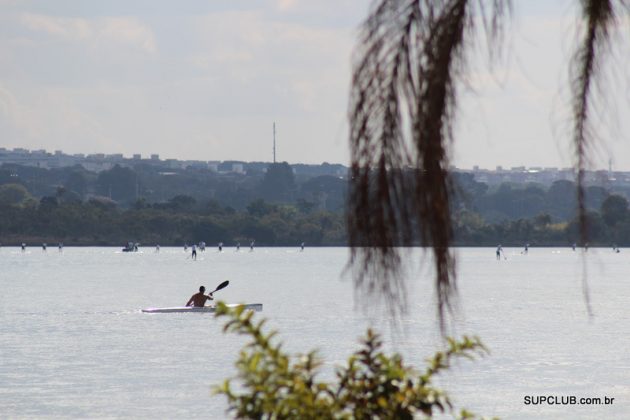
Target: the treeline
(610, 226)
(99, 221)
(511, 202)
(511, 215)
(277, 183)
(182, 219)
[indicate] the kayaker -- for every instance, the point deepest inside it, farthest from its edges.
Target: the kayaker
(199, 299)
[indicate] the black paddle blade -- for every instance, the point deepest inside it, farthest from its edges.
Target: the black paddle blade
(222, 285)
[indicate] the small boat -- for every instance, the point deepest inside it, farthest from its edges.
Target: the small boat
(256, 307)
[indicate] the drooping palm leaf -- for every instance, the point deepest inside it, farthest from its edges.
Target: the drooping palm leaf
(403, 99)
(402, 110)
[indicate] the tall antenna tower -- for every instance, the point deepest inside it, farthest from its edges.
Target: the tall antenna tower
(274, 142)
(610, 174)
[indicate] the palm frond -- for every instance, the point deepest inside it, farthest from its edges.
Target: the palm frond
(402, 110)
(598, 16)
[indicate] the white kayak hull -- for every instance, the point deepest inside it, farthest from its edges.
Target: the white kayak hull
(257, 307)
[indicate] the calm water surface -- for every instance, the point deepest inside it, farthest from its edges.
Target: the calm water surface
(73, 342)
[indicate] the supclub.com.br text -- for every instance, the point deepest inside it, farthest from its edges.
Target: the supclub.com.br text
(566, 400)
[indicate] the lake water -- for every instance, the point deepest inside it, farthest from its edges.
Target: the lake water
(73, 342)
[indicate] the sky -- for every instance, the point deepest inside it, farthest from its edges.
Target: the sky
(206, 80)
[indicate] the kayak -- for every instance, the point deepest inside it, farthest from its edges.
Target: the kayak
(257, 307)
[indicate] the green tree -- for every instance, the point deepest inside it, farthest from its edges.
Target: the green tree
(595, 196)
(207, 229)
(13, 194)
(327, 192)
(542, 220)
(140, 204)
(102, 203)
(77, 182)
(63, 195)
(214, 207)
(614, 210)
(305, 206)
(596, 229)
(562, 199)
(119, 184)
(48, 204)
(279, 183)
(182, 203)
(272, 384)
(260, 208)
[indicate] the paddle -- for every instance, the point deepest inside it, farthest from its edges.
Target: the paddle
(221, 286)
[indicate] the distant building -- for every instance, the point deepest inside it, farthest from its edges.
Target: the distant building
(173, 164)
(197, 164)
(115, 157)
(97, 165)
(97, 162)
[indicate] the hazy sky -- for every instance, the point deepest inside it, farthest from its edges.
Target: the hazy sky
(206, 80)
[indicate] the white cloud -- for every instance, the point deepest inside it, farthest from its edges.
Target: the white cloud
(129, 31)
(278, 51)
(49, 118)
(521, 112)
(284, 5)
(126, 31)
(208, 82)
(211, 90)
(18, 121)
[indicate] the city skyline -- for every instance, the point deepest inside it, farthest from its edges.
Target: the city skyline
(8, 156)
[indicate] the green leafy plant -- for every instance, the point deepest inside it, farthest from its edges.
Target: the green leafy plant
(274, 385)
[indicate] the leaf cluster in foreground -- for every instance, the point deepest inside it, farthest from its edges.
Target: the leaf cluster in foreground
(272, 384)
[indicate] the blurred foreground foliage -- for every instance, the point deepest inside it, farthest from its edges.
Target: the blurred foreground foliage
(274, 385)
